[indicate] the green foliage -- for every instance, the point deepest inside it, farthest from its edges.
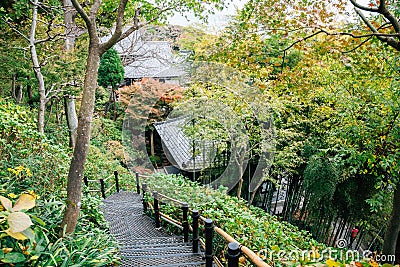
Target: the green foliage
(90, 246)
(36, 167)
(336, 115)
(251, 226)
(111, 71)
(150, 11)
(22, 145)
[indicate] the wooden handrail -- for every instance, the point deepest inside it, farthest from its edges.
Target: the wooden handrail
(106, 179)
(248, 252)
(171, 199)
(111, 187)
(253, 257)
(171, 220)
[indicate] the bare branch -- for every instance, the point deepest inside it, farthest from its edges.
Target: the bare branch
(15, 29)
(95, 9)
(118, 28)
(305, 38)
(383, 26)
(53, 91)
(136, 27)
(51, 38)
(386, 38)
(358, 46)
(357, 5)
(366, 21)
(389, 16)
(81, 12)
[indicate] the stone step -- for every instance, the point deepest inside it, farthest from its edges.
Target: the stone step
(157, 251)
(171, 260)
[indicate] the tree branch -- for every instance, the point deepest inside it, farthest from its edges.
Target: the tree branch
(95, 9)
(358, 46)
(14, 29)
(389, 16)
(48, 33)
(136, 27)
(370, 9)
(81, 12)
(386, 38)
(305, 38)
(53, 92)
(383, 26)
(118, 28)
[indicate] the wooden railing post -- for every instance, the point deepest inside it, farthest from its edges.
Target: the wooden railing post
(85, 180)
(116, 181)
(185, 223)
(233, 254)
(103, 192)
(195, 226)
(137, 183)
(209, 230)
(156, 209)
(144, 188)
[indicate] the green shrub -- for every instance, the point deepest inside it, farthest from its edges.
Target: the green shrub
(250, 226)
(21, 146)
(89, 246)
(31, 163)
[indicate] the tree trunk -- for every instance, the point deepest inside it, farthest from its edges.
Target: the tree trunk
(115, 105)
(13, 84)
(18, 93)
(392, 232)
(37, 69)
(70, 26)
(29, 91)
(240, 184)
(152, 143)
(110, 100)
(72, 119)
(397, 253)
(76, 169)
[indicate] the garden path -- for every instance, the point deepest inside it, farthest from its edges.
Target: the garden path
(141, 243)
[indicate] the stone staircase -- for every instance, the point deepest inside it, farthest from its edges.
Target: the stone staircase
(141, 244)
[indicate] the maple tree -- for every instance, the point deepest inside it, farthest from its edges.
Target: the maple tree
(144, 103)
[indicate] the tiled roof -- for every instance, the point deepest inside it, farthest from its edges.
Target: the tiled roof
(180, 147)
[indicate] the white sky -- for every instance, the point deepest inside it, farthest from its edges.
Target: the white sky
(221, 18)
(216, 21)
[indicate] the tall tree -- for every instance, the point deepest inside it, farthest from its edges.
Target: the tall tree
(295, 22)
(43, 27)
(111, 71)
(142, 13)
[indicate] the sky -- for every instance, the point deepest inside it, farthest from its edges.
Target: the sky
(220, 19)
(216, 21)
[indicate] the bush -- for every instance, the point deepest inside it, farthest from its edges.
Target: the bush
(250, 226)
(90, 245)
(33, 165)
(21, 146)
